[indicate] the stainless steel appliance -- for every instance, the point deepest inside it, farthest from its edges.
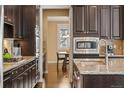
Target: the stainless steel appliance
(86, 45)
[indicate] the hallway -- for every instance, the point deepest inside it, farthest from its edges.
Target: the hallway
(56, 79)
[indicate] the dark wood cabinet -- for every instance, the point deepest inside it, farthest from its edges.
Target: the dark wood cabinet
(22, 27)
(9, 13)
(13, 21)
(115, 22)
(86, 20)
(105, 21)
(7, 80)
(28, 23)
(110, 17)
(23, 76)
(8, 30)
(18, 33)
(103, 81)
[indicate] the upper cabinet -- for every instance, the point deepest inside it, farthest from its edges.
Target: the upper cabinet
(116, 32)
(9, 13)
(13, 21)
(103, 21)
(18, 22)
(85, 20)
(8, 21)
(29, 24)
(110, 27)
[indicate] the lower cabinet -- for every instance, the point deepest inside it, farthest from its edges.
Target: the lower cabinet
(7, 80)
(102, 81)
(21, 77)
(25, 79)
(7, 83)
(33, 73)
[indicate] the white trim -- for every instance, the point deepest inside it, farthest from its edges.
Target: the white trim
(55, 61)
(58, 18)
(1, 45)
(55, 6)
(41, 46)
(71, 44)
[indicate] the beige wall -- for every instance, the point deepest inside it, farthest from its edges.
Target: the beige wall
(50, 32)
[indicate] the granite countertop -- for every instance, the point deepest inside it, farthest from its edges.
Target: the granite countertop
(115, 66)
(10, 65)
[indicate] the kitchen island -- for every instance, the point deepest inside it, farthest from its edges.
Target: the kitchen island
(21, 74)
(98, 74)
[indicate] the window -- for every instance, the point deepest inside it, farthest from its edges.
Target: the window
(63, 36)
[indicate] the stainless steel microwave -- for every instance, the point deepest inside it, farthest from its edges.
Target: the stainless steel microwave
(86, 45)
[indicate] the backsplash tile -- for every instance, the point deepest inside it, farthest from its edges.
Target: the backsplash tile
(118, 47)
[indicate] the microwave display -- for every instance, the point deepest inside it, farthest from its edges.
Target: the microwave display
(86, 45)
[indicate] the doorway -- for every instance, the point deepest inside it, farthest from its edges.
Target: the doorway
(55, 19)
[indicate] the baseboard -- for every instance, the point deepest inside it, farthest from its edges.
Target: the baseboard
(55, 61)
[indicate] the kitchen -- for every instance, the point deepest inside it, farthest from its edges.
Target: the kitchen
(96, 51)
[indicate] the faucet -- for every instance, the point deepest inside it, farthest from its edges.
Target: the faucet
(106, 51)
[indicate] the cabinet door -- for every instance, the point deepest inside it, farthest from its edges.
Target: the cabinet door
(115, 23)
(29, 79)
(7, 83)
(33, 71)
(85, 20)
(92, 81)
(79, 20)
(28, 24)
(9, 13)
(18, 22)
(92, 19)
(25, 79)
(105, 22)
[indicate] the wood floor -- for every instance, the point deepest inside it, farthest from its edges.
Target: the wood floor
(56, 79)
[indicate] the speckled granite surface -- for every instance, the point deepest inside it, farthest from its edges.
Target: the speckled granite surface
(10, 65)
(115, 66)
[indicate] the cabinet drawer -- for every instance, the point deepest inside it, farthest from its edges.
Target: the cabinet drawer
(21, 69)
(14, 73)
(7, 76)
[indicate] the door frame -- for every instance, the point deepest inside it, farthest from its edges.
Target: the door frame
(42, 7)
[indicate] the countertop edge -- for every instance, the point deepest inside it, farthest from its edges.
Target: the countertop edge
(27, 60)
